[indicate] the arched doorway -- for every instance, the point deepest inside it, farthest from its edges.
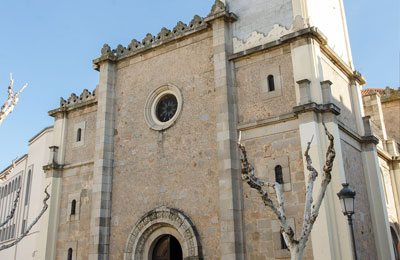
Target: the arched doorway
(167, 247)
(152, 231)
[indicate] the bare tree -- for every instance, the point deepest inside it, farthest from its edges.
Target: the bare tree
(12, 100)
(6, 109)
(311, 208)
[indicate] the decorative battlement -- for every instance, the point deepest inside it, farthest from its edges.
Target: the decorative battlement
(74, 99)
(165, 35)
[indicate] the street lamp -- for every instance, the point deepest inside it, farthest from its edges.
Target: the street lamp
(346, 197)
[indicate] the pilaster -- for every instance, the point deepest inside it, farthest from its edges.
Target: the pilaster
(48, 233)
(328, 241)
(395, 180)
(230, 183)
(103, 163)
(373, 179)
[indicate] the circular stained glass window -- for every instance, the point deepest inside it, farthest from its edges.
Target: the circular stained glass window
(163, 106)
(166, 108)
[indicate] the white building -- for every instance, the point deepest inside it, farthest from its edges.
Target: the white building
(29, 176)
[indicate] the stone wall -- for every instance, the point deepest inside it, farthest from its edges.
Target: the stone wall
(177, 167)
(391, 115)
(262, 229)
(255, 102)
(353, 167)
(77, 174)
(77, 152)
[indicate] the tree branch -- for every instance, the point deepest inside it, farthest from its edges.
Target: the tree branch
(12, 210)
(256, 183)
(309, 189)
(12, 100)
(326, 179)
(45, 206)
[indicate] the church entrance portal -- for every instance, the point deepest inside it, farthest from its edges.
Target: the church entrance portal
(167, 248)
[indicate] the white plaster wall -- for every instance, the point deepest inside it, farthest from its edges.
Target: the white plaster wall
(38, 156)
(329, 17)
(20, 166)
(259, 16)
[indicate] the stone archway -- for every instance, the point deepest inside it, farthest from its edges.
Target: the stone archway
(156, 223)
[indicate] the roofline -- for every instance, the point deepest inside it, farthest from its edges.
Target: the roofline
(40, 133)
(16, 162)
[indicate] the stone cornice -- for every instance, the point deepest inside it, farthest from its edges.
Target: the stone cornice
(309, 32)
(356, 136)
(318, 108)
(267, 121)
(180, 31)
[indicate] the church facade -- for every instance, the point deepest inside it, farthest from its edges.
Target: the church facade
(146, 166)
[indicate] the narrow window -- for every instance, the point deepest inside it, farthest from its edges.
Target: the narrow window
(283, 243)
(69, 254)
(278, 174)
(73, 207)
(23, 226)
(13, 231)
(271, 83)
(28, 187)
(79, 135)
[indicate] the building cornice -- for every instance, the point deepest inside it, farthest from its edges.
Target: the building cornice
(20, 159)
(310, 32)
(317, 108)
(46, 129)
(356, 136)
(267, 121)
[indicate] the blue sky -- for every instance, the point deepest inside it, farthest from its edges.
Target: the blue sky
(51, 44)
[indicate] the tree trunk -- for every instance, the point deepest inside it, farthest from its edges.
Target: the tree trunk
(296, 253)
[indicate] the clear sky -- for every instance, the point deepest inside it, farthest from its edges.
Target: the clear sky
(51, 44)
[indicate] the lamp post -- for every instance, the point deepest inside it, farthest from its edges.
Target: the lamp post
(346, 197)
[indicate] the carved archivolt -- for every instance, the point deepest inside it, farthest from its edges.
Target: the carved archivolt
(156, 223)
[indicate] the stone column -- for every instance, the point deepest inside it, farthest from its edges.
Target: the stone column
(103, 164)
(380, 223)
(356, 100)
(230, 183)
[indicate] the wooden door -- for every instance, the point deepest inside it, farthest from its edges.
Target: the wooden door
(167, 248)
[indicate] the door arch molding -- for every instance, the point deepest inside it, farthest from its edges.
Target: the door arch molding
(158, 222)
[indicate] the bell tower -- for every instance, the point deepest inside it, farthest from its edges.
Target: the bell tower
(312, 35)
(270, 17)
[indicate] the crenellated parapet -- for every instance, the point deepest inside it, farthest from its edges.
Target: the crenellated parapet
(86, 98)
(390, 94)
(165, 35)
(75, 100)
